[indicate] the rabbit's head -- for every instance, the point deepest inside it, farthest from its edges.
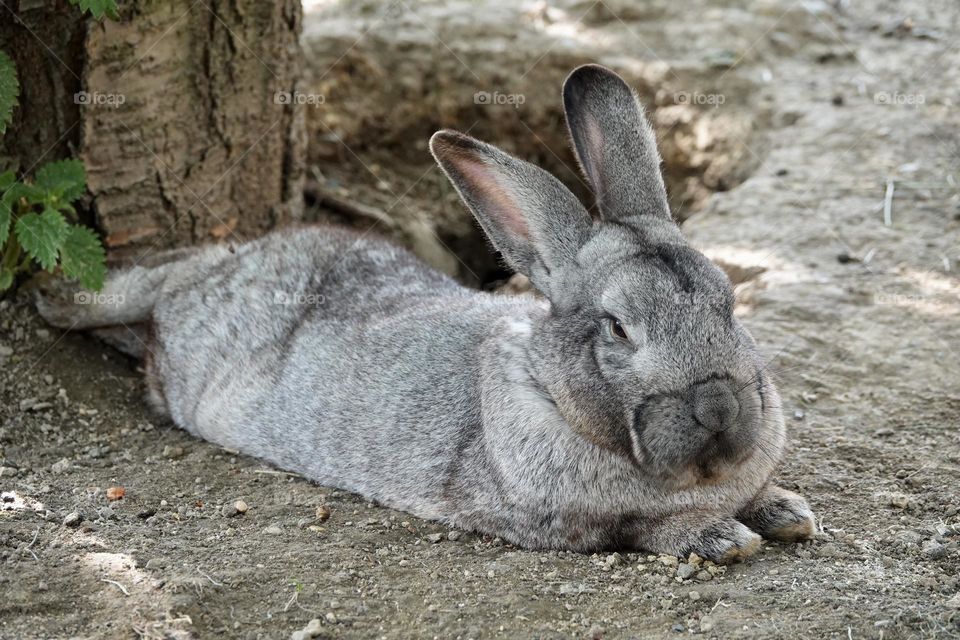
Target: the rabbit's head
(640, 350)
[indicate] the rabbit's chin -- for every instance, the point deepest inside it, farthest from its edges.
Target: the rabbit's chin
(696, 474)
(715, 462)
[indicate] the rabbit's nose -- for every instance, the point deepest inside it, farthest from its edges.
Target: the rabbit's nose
(715, 407)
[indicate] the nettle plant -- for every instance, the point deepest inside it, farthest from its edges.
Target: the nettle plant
(37, 225)
(38, 222)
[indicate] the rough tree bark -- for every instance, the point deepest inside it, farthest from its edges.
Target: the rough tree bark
(174, 110)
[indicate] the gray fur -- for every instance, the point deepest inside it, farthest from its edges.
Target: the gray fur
(344, 358)
(615, 144)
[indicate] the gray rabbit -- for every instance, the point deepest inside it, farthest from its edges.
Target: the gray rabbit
(626, 409)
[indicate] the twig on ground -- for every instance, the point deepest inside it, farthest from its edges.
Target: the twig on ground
(118, 585)
(32, 542)
(718, 603)
(921, 468)
(207, 576)
(888, 204)
(278, 473)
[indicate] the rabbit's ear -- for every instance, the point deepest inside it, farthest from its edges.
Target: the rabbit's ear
(531, 218)
(615, 144)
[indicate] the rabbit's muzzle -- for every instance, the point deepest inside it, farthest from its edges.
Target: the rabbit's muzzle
(699, 434)
(715, 405)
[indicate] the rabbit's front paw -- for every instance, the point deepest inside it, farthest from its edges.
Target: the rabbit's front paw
(711, 536)
(724, 542)
(57, 300)
(779, 514)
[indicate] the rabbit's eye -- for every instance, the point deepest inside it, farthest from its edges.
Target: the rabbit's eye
(617, 330)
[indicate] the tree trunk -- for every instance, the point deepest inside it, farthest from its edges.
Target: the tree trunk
(174, 111)
(46, 41)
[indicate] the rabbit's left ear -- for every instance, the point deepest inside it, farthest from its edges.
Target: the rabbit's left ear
(615, 144)
(531, 218)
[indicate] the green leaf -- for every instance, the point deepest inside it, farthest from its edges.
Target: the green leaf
(9, 90)
(6, 279)
(98, 8)
(22, 190)
(5, 217)
(82, 257)
(65, 179)
(41, 236)
(7, 178)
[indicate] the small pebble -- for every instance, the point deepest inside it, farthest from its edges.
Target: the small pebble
(434, 537)
(694, 595)
(273, 530)
(454, 535)
(934, 550)
(669, 561)
(172, 452)
(313, 629)
(908, 538)
(685, 571)
(899, 500)
(596, 632)
(845, 258)
(73, 519)
(240, 506)
(323, 513)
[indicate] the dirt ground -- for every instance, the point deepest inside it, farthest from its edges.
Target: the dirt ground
(856, 304)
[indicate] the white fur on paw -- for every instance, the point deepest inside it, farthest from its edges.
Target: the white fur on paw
(727, 542)
(789, 519)
(741, 550)
(802, 527)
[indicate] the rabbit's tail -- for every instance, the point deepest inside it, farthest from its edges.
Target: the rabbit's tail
(119, 313)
